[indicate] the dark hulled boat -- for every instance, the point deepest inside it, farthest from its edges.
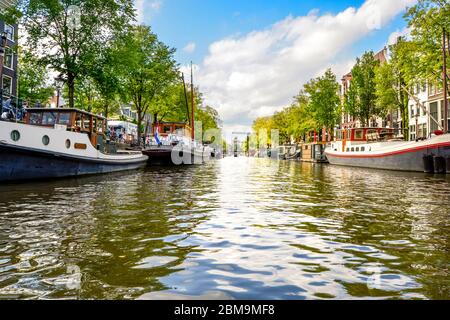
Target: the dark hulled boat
(55, 143)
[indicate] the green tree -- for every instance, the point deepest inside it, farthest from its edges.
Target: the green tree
(69, 39)
(281, 122)
(361, 98)
(427, 21)
(391, 83)
(324, 100)
(105, 76)
(170, 104)
(148, 69)
(301, 120)
(32, 80)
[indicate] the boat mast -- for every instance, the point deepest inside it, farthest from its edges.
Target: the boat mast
(444, 74)
(193, 106)
(186, 99)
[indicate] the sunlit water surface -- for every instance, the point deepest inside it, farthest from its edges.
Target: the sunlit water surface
(232, 229)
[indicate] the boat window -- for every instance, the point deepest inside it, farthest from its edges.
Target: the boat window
(348, 150)
(45, 140)
(64, 119)
(353, 149)
(68, 143)
(357, 149)
(86, 123)
(35, 118)
(48, 118)
(363, 149)
(15, 135)
(167, 129)
(359, 134)
(99, 124)
(349, 134)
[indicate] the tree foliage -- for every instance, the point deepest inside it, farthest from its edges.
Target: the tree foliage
(390, 82)
(324, 100)
(315, 107)
(148, 69)
(427, 20)
(68, 35)
(33, 77)
(360, 101)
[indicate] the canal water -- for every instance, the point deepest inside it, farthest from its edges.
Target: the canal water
(236, 228)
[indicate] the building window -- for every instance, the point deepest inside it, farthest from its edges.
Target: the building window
(7, 85)
(9, 58)
(434, 114)
(9, 30)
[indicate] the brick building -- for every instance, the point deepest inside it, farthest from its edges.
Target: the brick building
(9, 65)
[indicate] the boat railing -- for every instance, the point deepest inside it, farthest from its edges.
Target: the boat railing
(11, 108)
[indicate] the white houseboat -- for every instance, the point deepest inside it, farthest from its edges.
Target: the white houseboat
(53, 143)
(379, 149)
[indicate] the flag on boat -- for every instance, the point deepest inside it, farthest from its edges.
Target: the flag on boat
(158, 141)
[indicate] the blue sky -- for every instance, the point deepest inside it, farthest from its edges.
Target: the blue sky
(233, 27)
(180, 22)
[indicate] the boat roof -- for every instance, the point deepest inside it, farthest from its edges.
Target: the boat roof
(180, 123)
(64, 110)
(368, 128)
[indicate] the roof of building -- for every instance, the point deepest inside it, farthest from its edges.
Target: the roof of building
(381, 56)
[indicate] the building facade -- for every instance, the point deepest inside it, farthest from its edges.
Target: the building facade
(9, 68)
(426, 111)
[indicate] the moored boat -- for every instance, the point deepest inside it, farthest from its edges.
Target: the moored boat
(174, 146)
(378, 148)
(55, 143)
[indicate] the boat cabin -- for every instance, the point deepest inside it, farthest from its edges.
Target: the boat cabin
(73, 120)
(172, 128)
(365, 134)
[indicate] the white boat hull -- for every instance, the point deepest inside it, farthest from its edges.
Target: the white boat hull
(28, 158)
(399, 156)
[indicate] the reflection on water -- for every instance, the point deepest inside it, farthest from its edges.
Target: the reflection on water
(232, 229)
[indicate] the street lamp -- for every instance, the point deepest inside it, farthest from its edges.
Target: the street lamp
(59, 83)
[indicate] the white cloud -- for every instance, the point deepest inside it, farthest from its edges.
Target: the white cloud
(258, 73)
(140, 7)
(190, 47)
(156, 5)
(145, 8)
(393, 38)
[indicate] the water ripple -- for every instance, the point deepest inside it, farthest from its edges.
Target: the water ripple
(232, 229)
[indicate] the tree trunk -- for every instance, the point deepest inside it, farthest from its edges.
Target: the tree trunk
(71, 86)
(106, 109)
(139, 134)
